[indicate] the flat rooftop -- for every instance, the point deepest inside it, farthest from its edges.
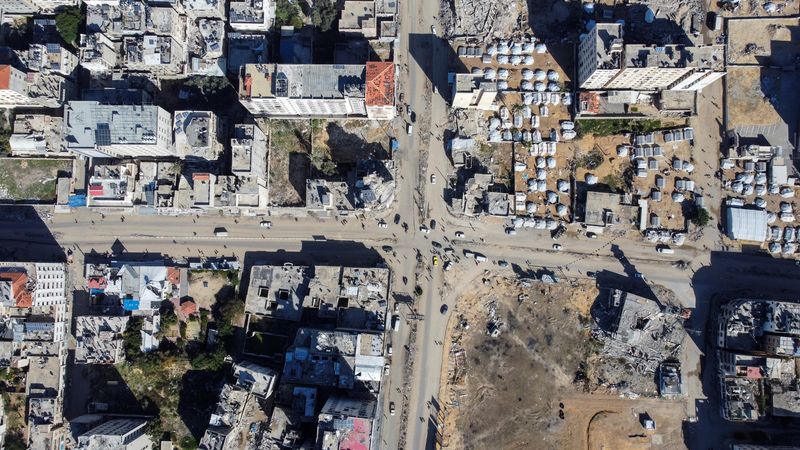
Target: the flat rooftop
(88, 124)
(322, 81)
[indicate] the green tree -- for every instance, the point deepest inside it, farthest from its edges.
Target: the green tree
(323, 15)
(132, 339)
(68, 22)
(287, 13)
(212, 360)
(701, 217)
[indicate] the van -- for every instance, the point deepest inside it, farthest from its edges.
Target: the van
(480, 258)
(665, 250)
(409, 129)
(396, 323)
(468, 254)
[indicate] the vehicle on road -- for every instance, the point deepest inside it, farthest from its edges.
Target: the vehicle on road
(557, 247)
(591, 235)
(502, 263)
(433, 29)
(460, 234)
(433, 178)
(409, 129)
(387, 248)
(396, 323)
(511, 231)
(220, 232)
(265, 224)
(449, 251)
(389, 349)
(448, 266)
(436, 244)
(397, 219)
(391, 408)
(443, 309)
(433, 224)
(435, 260)
(424, 229)
(386, 369)
(665, 250)
(382, 224)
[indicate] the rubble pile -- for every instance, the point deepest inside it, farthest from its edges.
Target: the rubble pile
(479, 18)
(636, 333)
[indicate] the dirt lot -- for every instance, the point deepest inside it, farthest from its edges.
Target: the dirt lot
(527, 376)
(766, 42)
(749, 92)
(205, 285)
(352, 140)
(39, 182)
(289, 162)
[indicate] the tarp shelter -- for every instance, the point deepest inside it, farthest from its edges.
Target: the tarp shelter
(747, 224)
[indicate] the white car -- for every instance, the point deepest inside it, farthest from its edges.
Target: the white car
(460, 234)
(433, 178)
(266, 224)
(557, 247)
(424, 229)
(433, 29)
(382, 224)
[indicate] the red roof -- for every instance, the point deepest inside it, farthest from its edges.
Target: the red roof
(174, 275)
(380, 83)
(96, 189)
(97, 283)
(754, 372)
(5, 76)
(188, 307)
(201, 176)
(19, 290)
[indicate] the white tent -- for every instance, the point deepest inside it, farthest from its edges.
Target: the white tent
(747, 224)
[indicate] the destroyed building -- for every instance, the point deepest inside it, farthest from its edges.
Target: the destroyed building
(642, 332)
(759, 347)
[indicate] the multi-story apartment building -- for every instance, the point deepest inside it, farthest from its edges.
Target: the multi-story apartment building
(114, 131)
(606, 62)
(318, 90)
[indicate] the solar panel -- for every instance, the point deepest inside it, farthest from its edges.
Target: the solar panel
(102, 135)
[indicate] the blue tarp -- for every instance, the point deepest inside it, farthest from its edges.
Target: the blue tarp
(96, 291)
(130, 305)
(77, 200)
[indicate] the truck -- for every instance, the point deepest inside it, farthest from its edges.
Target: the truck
(396, 323)
(480, 258)
(220, 232)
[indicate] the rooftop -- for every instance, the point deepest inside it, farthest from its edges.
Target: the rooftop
(277, 291)
(302, 81)
(609, 45)
(88, 124)
(380, 83)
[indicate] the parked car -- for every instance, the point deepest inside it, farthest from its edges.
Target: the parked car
(591, 235)
(511, 231)
(443, 309)
(435, 260)
(391, 408)
(397, 219)
(433, 224)
(387, 248)
(409, 129)
(460, 234)
(436, 244)
(557, 247)
(424, 229)
(448, 266)
(382, 224)
(665, 250)
(433, 29)
(502, 263)
(433, 178)
(265, 224)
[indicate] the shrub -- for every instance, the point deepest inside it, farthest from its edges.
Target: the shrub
(67, 23)
(700, 217)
